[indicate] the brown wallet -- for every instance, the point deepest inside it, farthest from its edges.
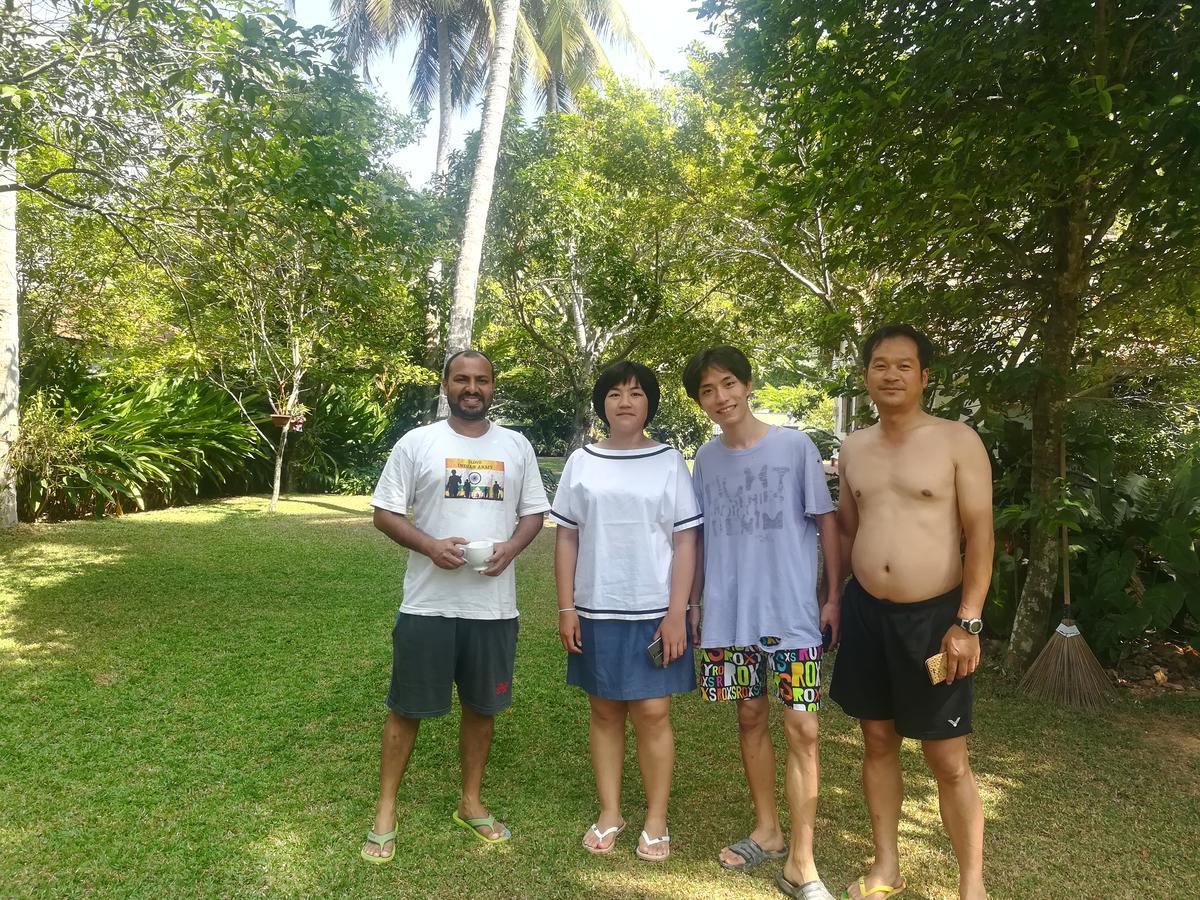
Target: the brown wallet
(937, 668)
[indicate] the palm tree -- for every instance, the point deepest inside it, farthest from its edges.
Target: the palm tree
(462, 314)
(569, 35)
(9, 360)
(461, 43)
(453, 45)
(558, 47)
(568, 56)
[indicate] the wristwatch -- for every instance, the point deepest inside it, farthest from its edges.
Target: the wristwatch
(971, 626)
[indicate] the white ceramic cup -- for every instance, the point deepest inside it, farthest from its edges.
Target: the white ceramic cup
(477, 553)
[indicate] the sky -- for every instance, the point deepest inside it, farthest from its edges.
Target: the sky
(666, 27)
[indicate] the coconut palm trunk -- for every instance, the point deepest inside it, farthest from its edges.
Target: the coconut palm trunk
(466, 282)
(433, 319)
(9, 359)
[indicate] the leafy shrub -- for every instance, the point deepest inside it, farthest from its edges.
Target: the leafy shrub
(344, 443)
(117, 445)
(1138, 569)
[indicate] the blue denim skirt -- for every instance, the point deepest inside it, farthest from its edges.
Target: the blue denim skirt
(614, 663)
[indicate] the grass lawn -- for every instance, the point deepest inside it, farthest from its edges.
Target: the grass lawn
(191, 706)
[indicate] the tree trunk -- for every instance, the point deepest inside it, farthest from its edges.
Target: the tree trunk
(1032, 619)
(581, 422)
(433, 320)
(1032, 622)
(585, 416)
(279, 447)
(10, 387)
(445, 101)
(466, 281)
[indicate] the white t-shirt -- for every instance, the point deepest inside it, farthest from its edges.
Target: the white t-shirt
(458, 486)
(627, 505)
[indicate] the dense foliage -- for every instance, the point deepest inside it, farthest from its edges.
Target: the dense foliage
(211, 231)
(1023, 179)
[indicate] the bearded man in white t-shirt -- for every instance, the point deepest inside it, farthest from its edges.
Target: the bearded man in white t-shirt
(459, 480)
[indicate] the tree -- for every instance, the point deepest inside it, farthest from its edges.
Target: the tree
(556, 43)
(85, 80)
(1027, 167)
(300, 250)
(603, 244)
(169, 132)
(462, 314)
(567, 40)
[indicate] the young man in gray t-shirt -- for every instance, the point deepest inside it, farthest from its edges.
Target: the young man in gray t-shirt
(765, 503)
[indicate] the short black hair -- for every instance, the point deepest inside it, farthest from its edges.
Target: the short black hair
(722, 356)
(469, 354)
(620, 372)
(881, 334)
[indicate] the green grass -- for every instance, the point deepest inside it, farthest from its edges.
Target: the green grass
(191, 707)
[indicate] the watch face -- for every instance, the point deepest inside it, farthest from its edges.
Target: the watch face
(975, 626)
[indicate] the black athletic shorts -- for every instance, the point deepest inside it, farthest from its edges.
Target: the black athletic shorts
(431, 652)
(880, 668)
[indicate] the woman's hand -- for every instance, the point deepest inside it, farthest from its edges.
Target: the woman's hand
(673, 632)
(568, 631)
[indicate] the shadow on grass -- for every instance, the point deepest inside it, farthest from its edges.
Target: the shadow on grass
(195, 699)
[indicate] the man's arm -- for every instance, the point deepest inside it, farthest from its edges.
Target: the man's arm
(831, 550)
(697, 588)
(847, 515)
(973, 489)
(444, 551)
(503, 553)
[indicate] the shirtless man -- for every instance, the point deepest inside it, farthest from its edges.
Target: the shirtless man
(913, 487)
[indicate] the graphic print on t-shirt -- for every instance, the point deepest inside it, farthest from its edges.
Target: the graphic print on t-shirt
(474, 479)
(750, 504)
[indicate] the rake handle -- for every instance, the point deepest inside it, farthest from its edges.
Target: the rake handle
(1064, 541)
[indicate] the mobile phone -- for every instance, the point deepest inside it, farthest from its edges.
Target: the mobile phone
(827, 637)
(655, 652)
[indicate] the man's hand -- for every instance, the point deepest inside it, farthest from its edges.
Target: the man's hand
(962, 653)
(693, 616)
(445, 553)
(831, 618)
(674, 637)
(503, 553)
(568, 631)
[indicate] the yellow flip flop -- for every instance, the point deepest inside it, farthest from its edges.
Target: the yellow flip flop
(885, 890)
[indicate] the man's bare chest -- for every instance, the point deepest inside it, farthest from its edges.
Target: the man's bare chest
(919, 473)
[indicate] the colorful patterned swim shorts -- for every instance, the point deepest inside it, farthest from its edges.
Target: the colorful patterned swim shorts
(742, 673)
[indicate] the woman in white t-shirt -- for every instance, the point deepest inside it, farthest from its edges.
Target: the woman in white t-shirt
(624, 560)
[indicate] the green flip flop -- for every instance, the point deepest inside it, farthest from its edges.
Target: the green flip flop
(472, 825)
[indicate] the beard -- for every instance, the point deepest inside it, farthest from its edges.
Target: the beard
(469, 415)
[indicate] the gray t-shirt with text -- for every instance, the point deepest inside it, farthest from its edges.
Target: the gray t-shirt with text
(760, 541)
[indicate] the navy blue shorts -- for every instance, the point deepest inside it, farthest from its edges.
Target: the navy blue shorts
(429, 653)
(614, 664)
